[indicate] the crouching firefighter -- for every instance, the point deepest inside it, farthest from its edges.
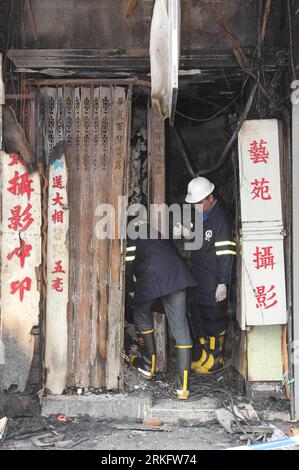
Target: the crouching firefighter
(159, 273)
(212, 269)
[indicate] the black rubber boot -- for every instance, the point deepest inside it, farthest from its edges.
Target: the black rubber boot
(145, 363)
(181, 385)
(215, 361)
(203, 355)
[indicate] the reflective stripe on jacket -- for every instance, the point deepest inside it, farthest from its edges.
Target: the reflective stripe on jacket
(158, 268)
(212, 263)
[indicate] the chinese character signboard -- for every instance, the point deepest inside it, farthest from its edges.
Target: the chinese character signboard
(264, 299)
(57, 278)
(263, 274)
(259, 166)
(20, 258)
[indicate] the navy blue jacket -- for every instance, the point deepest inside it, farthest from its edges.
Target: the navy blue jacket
(212, 263)
(158, 268)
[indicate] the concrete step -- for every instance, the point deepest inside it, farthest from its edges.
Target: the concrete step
(174, 411)
(137, 405)
(104, 406)
(140, 406)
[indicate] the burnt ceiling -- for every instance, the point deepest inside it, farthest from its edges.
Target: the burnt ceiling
(92, 37)
(94, 24)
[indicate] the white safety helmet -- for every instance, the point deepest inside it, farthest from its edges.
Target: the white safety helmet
(198, 189)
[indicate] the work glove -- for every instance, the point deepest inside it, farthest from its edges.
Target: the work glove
(179, 230)
(221, 293)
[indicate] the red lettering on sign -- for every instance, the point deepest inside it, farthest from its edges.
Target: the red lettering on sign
(258, 151)
(57, 284)
(57, 182)
(57, 200)
(21, 184)
(15, 159)
(57, 217)
(264, 258)
(20, 220)
(264, 297)
(260, 189)
(58, 267)
(21, 252)
(21, 287)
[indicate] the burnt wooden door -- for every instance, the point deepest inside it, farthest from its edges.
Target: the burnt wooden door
(94, 122)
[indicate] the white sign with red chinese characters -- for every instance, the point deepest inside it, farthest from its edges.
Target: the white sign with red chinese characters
(57, 278)
(259, 168)
(20, 260)
(264, 296)
(263, 273)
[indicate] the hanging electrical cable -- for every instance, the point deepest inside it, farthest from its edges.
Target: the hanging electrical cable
(227, 147)
(291, 54)
(184, 152)
(214, 115)
(233, 137)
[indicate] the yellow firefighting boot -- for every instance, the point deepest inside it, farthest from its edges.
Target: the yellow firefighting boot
(215, 361)
(203, 354)
(181, 385)
(145, 363)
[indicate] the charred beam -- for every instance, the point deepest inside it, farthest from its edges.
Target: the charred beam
(133, 61)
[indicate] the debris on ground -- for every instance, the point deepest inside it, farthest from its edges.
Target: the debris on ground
(277, 434)
(133, 381)
(235, 421)
(152, 422)
(23, 428)
(248, 412)
(84, 432)
(3, 428)
(264, 430)
(220, 445)
(243, 421)
(270, 445)
(160, 385)
(240, 419)
(47, 439)
(63, 418)
(225, 418)
(142, 427)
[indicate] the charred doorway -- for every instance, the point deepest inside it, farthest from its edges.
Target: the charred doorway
(204, 142)
(195, 148)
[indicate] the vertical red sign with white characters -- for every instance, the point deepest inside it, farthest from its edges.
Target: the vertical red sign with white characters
(20, 258)
(57, 278)
(263, 273)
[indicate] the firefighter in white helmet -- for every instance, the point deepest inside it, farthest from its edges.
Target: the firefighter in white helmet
(212, 269)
